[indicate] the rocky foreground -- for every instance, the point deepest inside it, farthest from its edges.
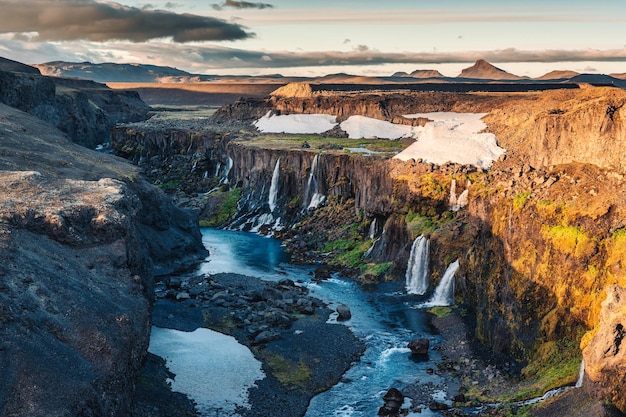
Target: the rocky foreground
(81, 237)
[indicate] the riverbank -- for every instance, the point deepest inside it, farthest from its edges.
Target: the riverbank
(285, 328)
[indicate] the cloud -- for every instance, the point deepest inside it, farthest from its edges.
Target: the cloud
(66, 20)
(241, 5)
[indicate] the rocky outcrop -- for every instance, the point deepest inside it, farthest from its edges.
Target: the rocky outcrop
(604, 351)
(484, 70)
(84, 110)
(81, 236)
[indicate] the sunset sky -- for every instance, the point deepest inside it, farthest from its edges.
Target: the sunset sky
(297, 37)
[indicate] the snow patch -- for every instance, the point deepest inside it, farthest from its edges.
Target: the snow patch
(359, 127)
(453, 137)
(296, 123)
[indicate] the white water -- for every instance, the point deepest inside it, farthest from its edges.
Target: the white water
(314, 200)
(229, 166)
(196, 357)
(373, 228)
(444, 293)
(273, 196)
(455, 203)
(417, 267)
(581, 375)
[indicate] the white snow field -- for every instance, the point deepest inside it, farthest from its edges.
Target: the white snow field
(211, 368)
(453, 137)
(359, 127)
(296, 123)
(450, 137)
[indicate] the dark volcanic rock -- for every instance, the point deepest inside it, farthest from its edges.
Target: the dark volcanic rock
(419, 346)
(344, 312)
(393, 401)
(76, 273)
(84, 110)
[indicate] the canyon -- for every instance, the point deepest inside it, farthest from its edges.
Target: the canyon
(540, 239)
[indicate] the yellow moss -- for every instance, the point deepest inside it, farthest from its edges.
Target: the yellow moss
(526, 260)
(520, 200)
(570, 240)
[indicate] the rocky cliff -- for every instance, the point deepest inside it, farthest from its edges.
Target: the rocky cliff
(84, 110)
(539, 242)
(81, 237)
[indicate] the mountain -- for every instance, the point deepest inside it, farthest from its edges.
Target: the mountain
(598, 79)
(426, 74)
(558, 75)
(485, 71)
(111, 72)
(621, 76)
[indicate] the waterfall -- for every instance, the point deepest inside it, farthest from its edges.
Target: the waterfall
(313, 201)
(444, 293)
(273, 196)
(455, 203)
(372, 234)
(417, 267)
(452, 199)
(229, 166)
(581, 375)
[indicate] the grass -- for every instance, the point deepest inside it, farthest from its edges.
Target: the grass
(288, 373)
(440, 312)
(320, 142)
(520, 200)
(418, 223)
(226, 211)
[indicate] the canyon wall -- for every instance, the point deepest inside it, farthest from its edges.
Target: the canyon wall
(82, 235)
(84, 110)
(539, 244)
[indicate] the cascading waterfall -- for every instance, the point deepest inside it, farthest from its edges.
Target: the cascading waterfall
(417, 267)
(229, 166)
(444, 293)
(581, 375)
(273, 196)
(455, 203)
(314, 200)
(373, 228)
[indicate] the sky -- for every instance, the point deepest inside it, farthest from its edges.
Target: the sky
(318, 37)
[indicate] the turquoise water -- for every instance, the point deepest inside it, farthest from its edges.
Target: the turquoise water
(381, 316)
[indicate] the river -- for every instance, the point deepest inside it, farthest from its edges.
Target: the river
(382, 316)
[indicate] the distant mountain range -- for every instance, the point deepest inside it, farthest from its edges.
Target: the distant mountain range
(481, 71)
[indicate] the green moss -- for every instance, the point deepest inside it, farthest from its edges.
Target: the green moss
(440, 312)
(376, 269)
(288, 373)
(227, 209)
(520, 200)
(418, 223)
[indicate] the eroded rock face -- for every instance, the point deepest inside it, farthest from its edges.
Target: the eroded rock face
(81, 236)
(605, 353)
(84, 110)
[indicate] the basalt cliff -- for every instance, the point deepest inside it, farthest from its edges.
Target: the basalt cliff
(540, 236)
(82, 236)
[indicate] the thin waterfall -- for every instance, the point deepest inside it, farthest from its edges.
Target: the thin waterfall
(452, 201)
(312, 197)
(581, 375)
(273, 196)
(455, 203)
(373, 228)
(229, 166)
(444, 293)
(417, 267)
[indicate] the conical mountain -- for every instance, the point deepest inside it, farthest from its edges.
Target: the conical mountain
(485, 71)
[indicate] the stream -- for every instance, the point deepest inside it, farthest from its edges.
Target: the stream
(383, 316)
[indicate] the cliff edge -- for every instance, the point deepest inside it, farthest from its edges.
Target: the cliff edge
(81, 237)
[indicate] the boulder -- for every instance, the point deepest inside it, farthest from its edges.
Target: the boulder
(393, 401)
(605, 353)
(344, 312)
(419, 346)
